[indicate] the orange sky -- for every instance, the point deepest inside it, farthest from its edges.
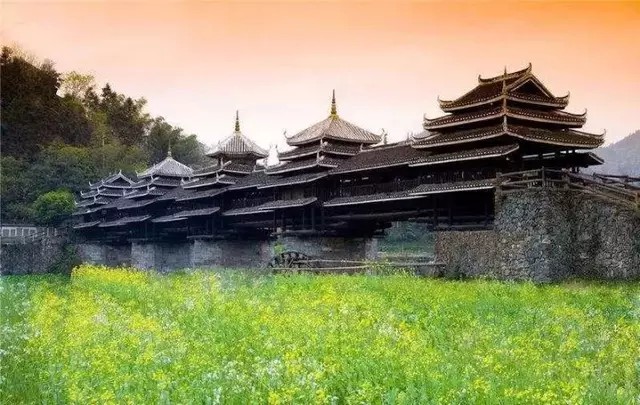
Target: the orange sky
(197, 62)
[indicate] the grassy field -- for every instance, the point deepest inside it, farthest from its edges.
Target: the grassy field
(106, 336)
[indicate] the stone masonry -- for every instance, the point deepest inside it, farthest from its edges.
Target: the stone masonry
(549, 235)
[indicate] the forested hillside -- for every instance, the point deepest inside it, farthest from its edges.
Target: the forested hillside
(61, 130)
(622, 157)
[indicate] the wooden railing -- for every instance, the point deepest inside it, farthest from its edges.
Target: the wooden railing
(619, 189)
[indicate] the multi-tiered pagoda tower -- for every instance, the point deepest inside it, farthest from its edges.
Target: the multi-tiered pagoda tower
(513, 109)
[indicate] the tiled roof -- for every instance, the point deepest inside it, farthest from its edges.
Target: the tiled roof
(124, 221)
(334, 128)
(84, 211)
(326, 147)
(165, 182)
(299, 152)
(111, 180)
(379, 157)
(168, 218)
(144, 193)
(552, 116)
(506, 85)
(370, 198)
(237, 144)
(245, 211)
(323, 161)
(224, 179)
(198, 213)
(437, 188)
(92, 201)
(200, 194)
(278, 181)
(227, 167)
(212, 169)
(469, 154)
(168, 167)
(136, 203)
(564, 137)
(85, 225)
(300, 202)
(252, 180)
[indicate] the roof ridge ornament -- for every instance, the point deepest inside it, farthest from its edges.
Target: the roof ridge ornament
(169, 150)
(237, 127)
(334, 108)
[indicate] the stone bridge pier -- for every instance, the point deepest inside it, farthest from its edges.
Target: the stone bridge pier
(226, 253)
(546, 236)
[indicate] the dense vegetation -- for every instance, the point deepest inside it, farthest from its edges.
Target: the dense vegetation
(59, 132)
(114, 335)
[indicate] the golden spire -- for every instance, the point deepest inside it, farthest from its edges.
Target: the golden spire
(237, 122)
(169, 150)
(334, 109)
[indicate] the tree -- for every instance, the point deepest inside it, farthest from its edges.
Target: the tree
(14, 189)
(53, 207)
(163, 135)
(75, 84)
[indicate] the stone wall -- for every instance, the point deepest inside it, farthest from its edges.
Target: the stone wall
(468, 253)
(92, 253)
(37, 257)
(230, 253)
(546, 236)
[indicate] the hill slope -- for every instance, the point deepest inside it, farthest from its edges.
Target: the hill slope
(622, 157)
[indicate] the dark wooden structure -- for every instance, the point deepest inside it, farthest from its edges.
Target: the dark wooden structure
(339, 180)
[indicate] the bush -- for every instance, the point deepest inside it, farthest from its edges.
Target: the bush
(53, 207)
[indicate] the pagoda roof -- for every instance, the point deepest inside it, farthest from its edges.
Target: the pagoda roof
(438, 188)
(201, 194)
(237, 144)
(379, 157)
(563, 137)
(229, 166)
(280, 204)
(245, 211)
(151, 191)
(321, 162)
(92, 202)
(277, 181)
(369, 198)
(551, 117)
(223, 179)
(168, 218)
(504, 86)
(198, 213)
(327, 147)
(468, 154)
(111, 179)
(334, 128)
(250, 181)
(168, 167)
(85, 225)
(124, 221)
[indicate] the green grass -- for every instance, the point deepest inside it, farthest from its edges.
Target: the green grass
(118, 336)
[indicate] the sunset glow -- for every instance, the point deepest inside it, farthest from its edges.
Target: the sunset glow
(197, 62)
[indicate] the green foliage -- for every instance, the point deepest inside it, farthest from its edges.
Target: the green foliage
(58, 132)
(53, 207)
(125, 336)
